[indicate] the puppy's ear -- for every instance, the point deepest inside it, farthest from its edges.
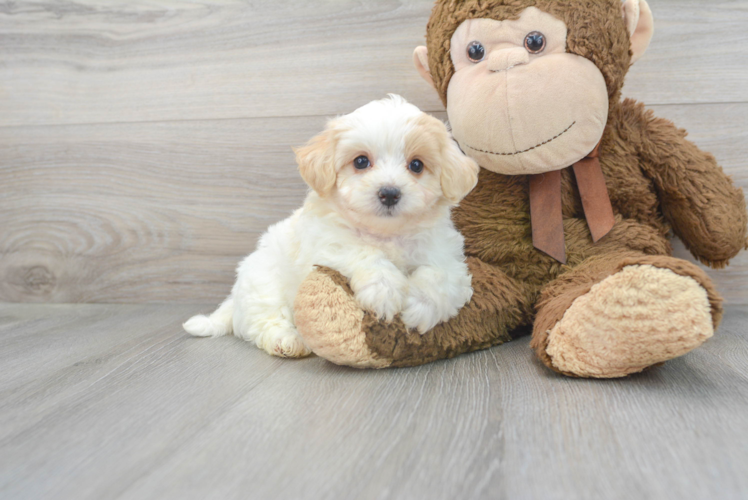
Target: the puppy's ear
(459, 173)
(316, 161)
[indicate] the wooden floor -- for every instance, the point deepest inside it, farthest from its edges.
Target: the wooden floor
(115, 401)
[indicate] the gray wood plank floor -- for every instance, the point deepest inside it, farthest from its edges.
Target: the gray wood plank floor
(115, 401)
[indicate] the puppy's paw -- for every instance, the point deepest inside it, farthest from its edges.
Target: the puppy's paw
(284, 344)
(421, 313)
(434, 298)
(384, 296)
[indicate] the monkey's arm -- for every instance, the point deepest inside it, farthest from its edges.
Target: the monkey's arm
(707, 212)
(335, 327)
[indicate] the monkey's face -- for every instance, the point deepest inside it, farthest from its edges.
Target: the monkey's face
(518, 103)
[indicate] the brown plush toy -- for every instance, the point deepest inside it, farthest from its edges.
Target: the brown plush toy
(533, 87)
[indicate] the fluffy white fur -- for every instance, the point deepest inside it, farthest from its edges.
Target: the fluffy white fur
(407, 258)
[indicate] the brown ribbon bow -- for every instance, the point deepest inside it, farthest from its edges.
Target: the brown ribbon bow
(545, 205)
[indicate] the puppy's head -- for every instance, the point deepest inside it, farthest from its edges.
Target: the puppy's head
(387, 163)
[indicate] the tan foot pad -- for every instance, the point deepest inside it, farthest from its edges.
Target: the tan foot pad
(638, 317)
(330, 321)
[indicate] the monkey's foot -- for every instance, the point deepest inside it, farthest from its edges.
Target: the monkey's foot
(636, 318)
(331, 321)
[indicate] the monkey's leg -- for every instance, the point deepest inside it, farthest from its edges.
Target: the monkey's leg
(337, 329)
(618, 314)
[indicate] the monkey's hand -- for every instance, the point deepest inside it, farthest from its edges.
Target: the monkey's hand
(707, 212)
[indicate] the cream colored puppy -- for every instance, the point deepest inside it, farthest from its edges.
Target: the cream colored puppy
(384, 179)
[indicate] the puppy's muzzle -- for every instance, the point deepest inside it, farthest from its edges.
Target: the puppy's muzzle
(389, 196)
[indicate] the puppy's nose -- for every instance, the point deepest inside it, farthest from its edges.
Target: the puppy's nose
(389, 196)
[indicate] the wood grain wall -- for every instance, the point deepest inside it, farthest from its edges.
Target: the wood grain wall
(144, 145)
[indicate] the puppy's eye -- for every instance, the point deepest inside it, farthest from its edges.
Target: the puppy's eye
(361, 163)
(535, 42)
(416, 166)
(476, 52)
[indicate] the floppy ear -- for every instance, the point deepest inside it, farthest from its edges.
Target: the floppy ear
(459, 173)
(316, 161)
(640, 24)
(421, 61)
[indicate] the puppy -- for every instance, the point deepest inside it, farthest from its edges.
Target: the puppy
(383, 180)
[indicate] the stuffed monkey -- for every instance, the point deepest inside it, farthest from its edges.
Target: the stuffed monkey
(567, 232)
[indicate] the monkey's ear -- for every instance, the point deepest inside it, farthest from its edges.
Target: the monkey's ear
(640, 24)
(421, 60)
(316, 161)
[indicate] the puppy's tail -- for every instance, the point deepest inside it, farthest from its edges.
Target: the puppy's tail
(216, 325)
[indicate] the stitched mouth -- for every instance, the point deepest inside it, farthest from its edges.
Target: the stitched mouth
(525, 150)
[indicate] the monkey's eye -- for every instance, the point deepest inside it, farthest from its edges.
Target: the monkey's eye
(416, 166)
(361, 163)
(476, 52)
(535, 42)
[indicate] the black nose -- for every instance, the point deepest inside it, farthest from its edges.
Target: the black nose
(389, 196)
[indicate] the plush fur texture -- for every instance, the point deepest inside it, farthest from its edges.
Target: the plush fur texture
(659, 184)
(401, 255)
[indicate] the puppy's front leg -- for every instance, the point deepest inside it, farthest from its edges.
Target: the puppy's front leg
(380, 287)
(435, 295)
